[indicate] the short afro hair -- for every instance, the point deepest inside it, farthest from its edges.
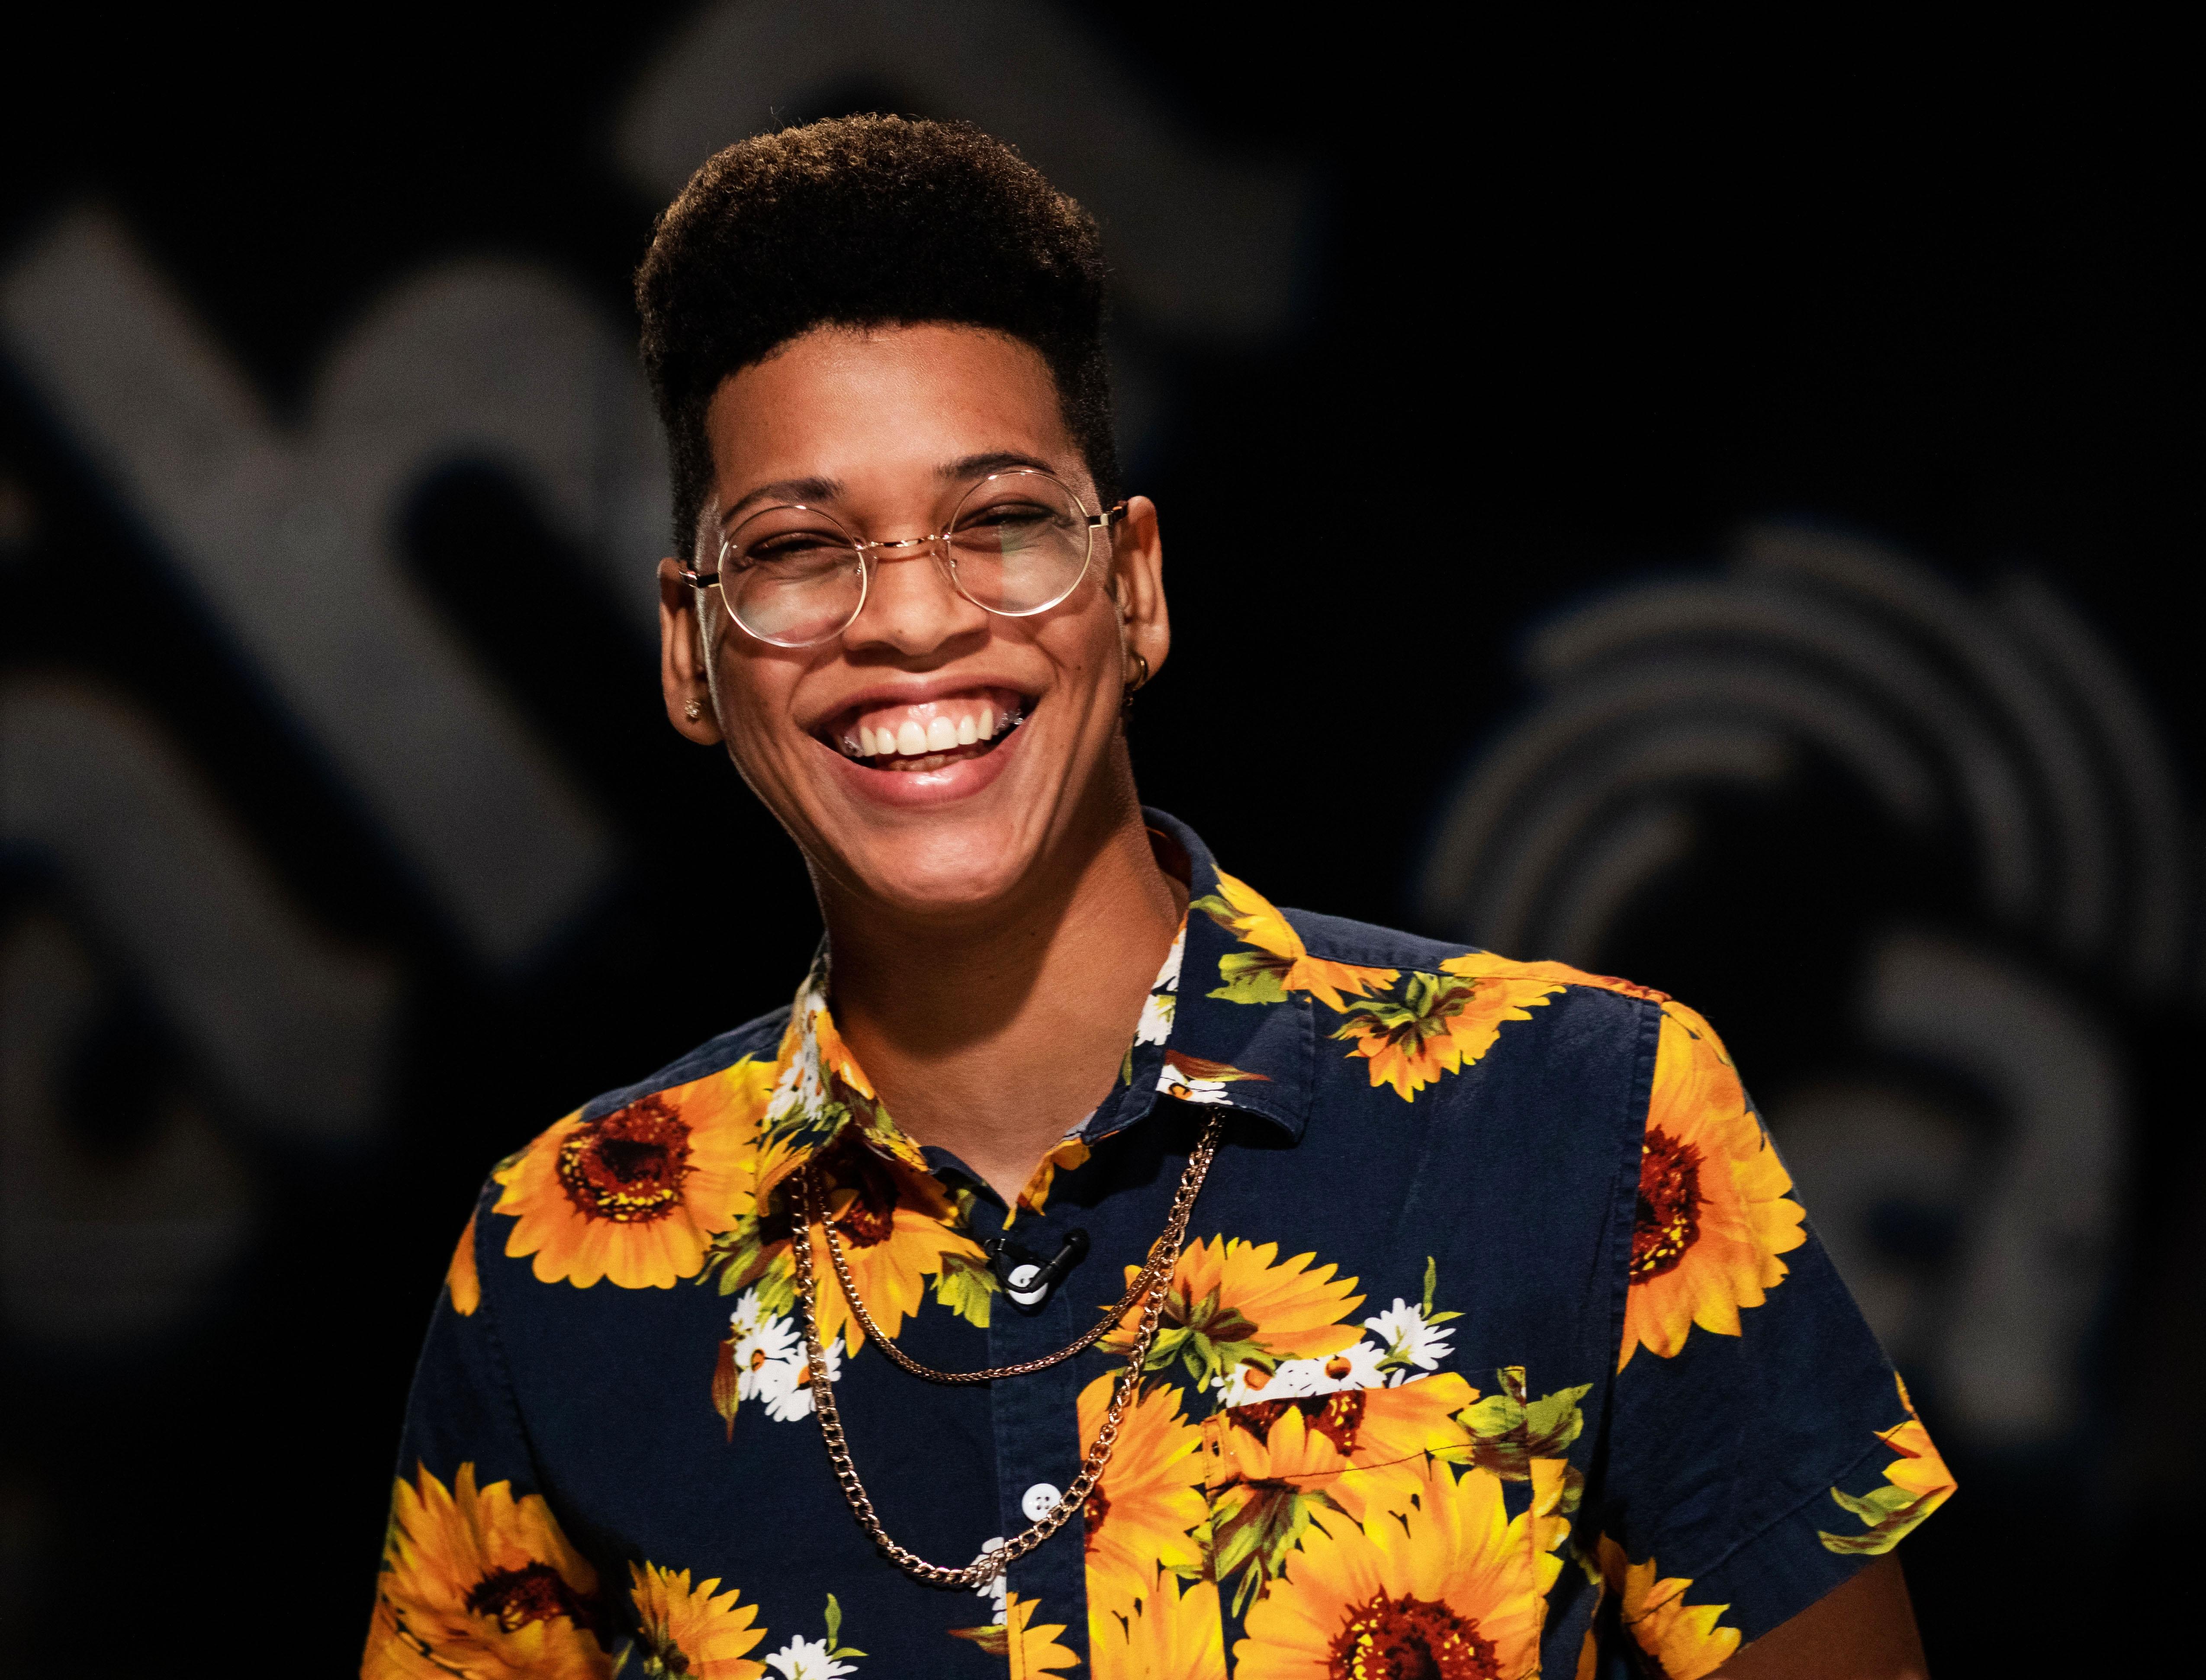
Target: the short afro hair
(867, 221)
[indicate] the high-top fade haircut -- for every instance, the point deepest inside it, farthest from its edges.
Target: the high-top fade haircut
(864, 222)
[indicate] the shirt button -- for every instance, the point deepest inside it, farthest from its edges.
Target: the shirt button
(1039, 1501)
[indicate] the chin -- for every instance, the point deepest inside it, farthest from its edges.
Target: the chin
(944, 868)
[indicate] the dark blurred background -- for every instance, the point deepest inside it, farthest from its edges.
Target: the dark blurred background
(1710, 508)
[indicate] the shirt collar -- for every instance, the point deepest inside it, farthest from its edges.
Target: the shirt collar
(1247, 1046)
(1228, 1023)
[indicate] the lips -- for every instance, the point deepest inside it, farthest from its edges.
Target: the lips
(929, 734)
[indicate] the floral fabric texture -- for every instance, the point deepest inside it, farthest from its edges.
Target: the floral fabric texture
(1499, 1347)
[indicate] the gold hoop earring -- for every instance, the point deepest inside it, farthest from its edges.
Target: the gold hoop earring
(1135, 684)
(693, 712)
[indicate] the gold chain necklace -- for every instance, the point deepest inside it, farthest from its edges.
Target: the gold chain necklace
(1150, 1287)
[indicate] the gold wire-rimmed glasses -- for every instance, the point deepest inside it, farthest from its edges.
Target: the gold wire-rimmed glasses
(1016, 544)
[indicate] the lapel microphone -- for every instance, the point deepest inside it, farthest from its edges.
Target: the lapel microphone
(1026, 1278)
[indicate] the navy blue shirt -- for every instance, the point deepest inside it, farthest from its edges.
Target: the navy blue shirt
(1498, 1341)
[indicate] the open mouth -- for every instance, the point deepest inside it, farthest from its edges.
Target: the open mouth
(930, 734)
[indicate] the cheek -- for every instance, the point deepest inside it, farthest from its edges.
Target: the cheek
(755, 710)
(1085, 648)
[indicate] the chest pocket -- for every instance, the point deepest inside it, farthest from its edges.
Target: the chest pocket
(1344, 1526)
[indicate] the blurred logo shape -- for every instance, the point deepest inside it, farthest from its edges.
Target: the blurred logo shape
(293, 1026)
(2009, 716)
(281, 1029)
(2034, 1205)
(96, 1253)
(1200, 245)
(290, 534)
(1979, 1252)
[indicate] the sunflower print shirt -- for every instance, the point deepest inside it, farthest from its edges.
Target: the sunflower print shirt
(1499, 1346)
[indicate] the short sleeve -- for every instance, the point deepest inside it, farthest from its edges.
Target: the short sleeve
(1760, 1446)
(476, 1575)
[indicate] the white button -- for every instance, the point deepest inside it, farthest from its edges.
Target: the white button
(1040, 1499)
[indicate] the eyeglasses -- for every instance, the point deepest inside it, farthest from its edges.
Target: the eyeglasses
(1017, 543)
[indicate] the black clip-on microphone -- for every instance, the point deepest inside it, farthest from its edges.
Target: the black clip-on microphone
(1026, 1278)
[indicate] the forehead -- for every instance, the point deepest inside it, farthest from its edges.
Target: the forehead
(882, 411)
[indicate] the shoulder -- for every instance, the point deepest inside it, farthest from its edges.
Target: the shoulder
(1362, 944)
(758, 1040)
(681, 1086)
(1417, 1014)
(633, 1187)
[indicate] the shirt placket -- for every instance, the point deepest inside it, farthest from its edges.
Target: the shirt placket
(1037, 1431)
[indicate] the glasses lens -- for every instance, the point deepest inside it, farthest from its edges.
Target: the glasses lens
(791, 576)
(1019, 542)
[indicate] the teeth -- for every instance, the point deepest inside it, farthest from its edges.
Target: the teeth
(939, 734)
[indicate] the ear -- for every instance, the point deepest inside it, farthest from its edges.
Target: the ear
(1137, 566)
(684, 671)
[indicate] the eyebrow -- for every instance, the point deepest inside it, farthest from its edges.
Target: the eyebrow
(995, 460)
(810, 491)
(805, 491)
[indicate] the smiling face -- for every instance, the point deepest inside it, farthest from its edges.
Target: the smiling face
(935, 758)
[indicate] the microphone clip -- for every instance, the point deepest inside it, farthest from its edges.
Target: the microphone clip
(1026, 1278)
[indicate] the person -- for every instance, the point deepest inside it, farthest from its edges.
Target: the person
(1095, 1263)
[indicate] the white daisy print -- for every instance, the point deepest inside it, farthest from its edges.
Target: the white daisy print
(997, 1586)
(1167, 978)
(1247, 1382)
(1360, 1367)
(1173, 1082)
(763, 1340)
(1156, 1022)
(803, 1088)
(785, 1385)
(803, 1659)
(1409, 1338)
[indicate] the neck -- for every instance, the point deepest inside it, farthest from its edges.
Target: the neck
(993, 1037)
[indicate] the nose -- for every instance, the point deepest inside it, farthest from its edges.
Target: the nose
(911, 605)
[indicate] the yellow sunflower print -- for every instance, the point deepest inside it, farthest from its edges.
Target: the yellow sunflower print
(1677, 1640)
(1313, 1442)
(1278, 962)
(1175, 1636)
(1067, 1155)
(897, 1230)
(461, 1278)
(818, 1090)
(637, 1196)
(1447, 1588)
(1915, 1483)
(835, 1057)
(1274, 1465)
(1032, 1649)
(1437, 1024)
(684, 1630)
(477, 1582)
(1485, 962)
(1235, 1300)
(1714, 1213)
(1150, 1497)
